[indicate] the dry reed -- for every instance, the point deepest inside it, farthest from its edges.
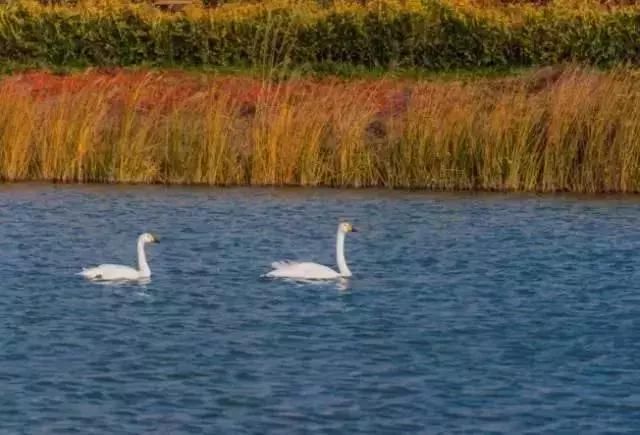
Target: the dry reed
(576, 130)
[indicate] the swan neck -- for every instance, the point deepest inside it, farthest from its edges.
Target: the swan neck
(143, 266)
(342, 263)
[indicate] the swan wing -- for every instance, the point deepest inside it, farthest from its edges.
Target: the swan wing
(302, 271)
(109, 272)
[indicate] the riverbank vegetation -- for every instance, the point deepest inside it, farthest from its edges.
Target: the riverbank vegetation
(555, 129)
(317, 35)
(438, 94)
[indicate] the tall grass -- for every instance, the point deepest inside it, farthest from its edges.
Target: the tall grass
(574, 130)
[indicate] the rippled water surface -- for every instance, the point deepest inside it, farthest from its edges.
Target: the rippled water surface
(466, 313)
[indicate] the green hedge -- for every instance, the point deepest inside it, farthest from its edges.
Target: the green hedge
(433, 36)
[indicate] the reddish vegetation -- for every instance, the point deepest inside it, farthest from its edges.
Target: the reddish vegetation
(162, 91)
(552, 130)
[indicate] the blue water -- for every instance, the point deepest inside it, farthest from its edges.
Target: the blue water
(466, 313)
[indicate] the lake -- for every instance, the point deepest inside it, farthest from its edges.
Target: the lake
(467, 313)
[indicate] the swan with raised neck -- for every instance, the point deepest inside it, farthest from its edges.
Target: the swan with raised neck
(311, 271)
(114, 272)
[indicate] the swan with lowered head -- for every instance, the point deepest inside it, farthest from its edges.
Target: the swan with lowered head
(294, 270)
(113, 272)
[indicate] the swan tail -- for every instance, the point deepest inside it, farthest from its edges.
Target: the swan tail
(89, 272)
(275, 273)
(277, 266)
(280, 264)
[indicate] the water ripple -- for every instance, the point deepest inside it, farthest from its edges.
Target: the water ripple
(466, 313)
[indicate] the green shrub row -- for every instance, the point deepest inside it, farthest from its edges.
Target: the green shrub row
(432, 36)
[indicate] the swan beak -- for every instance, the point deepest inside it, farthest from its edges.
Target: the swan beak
(354, 230)
(156, 239)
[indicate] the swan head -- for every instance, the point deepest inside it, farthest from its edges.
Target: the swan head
(149, 238)
(346, 227)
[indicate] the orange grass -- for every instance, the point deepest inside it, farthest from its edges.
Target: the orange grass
(569, 130)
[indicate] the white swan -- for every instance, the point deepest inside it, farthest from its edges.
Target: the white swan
(112, 272)
(294, 270)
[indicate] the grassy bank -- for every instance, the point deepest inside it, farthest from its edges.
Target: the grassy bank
(385, 34)
(550, 130)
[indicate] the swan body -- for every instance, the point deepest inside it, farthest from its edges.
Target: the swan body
(311, 271)
(290, 269)
(115, 272)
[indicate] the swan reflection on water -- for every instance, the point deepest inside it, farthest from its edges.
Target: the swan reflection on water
(342, 284)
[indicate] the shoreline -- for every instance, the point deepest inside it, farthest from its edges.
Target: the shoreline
(372, 191)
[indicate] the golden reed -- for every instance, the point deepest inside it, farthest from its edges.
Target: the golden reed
(550, 130)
